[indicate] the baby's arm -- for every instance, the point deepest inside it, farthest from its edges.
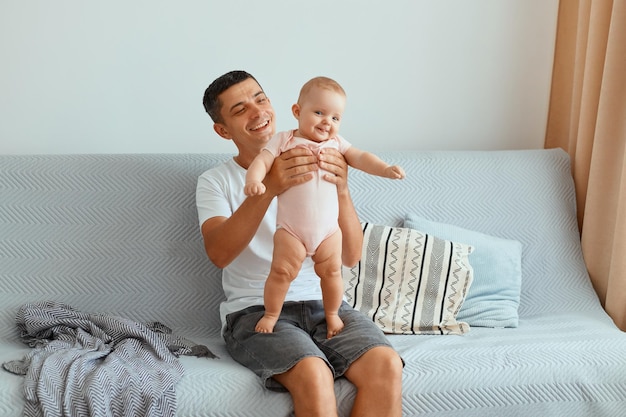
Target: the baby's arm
(256, 173)
(372, 164)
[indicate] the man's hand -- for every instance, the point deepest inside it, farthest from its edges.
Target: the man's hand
(290, 168)
(332, 160)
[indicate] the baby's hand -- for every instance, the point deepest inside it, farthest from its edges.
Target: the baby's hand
(394, 172)
(254, 188)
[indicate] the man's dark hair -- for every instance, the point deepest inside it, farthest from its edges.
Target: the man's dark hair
(211, 101)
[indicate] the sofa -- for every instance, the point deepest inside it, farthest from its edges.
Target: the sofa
(524, 334)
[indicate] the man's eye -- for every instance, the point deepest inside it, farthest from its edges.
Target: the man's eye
(336, 119)
(319, 113)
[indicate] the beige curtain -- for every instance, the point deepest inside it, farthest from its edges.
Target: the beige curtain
(587, 118)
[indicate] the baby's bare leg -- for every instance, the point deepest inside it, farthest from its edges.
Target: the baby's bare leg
(327, 260)
(287, 259)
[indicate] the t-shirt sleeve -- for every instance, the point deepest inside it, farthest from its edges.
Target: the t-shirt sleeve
(211, 199)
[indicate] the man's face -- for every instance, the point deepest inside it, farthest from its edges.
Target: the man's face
(247, 114)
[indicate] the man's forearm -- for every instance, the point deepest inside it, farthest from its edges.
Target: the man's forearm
(352, 242)
(224, 240)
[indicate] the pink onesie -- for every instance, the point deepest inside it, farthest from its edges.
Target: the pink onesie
(308, 211)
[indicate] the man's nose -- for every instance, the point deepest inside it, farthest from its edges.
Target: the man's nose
(256, 110)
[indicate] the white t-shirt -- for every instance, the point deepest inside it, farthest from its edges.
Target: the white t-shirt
(219, 193)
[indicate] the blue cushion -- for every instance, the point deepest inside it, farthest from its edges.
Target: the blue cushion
(494, 296)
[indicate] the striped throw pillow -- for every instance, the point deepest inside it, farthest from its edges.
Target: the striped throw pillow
(410, 282)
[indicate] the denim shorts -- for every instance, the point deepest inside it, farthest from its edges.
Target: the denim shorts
(299, 333)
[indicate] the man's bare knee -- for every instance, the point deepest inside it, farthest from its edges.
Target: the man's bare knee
(310, 372)
(311, 385)
(377, 376)
(381, 361)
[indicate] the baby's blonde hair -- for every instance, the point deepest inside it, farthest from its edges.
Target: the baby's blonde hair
(320, 82)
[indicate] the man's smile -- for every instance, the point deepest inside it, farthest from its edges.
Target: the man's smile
(261, 125)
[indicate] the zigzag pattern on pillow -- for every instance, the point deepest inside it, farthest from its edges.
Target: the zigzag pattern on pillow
(410, 282)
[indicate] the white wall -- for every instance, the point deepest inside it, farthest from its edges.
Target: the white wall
(128, 76)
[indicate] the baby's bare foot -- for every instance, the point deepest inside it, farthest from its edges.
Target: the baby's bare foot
(334, 325)
(266, 325)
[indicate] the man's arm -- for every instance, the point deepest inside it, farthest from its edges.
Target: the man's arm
(226, 237)
(332, 161)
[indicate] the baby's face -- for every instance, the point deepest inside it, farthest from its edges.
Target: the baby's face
(319, 114)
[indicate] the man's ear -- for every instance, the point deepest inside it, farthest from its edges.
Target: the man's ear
(221, 130)
(295, 110)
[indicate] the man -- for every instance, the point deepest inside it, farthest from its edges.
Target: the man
(238, 232)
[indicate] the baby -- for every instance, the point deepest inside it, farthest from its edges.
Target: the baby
(307, 219)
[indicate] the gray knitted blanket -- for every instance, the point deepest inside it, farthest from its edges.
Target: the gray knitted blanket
(97, 365)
